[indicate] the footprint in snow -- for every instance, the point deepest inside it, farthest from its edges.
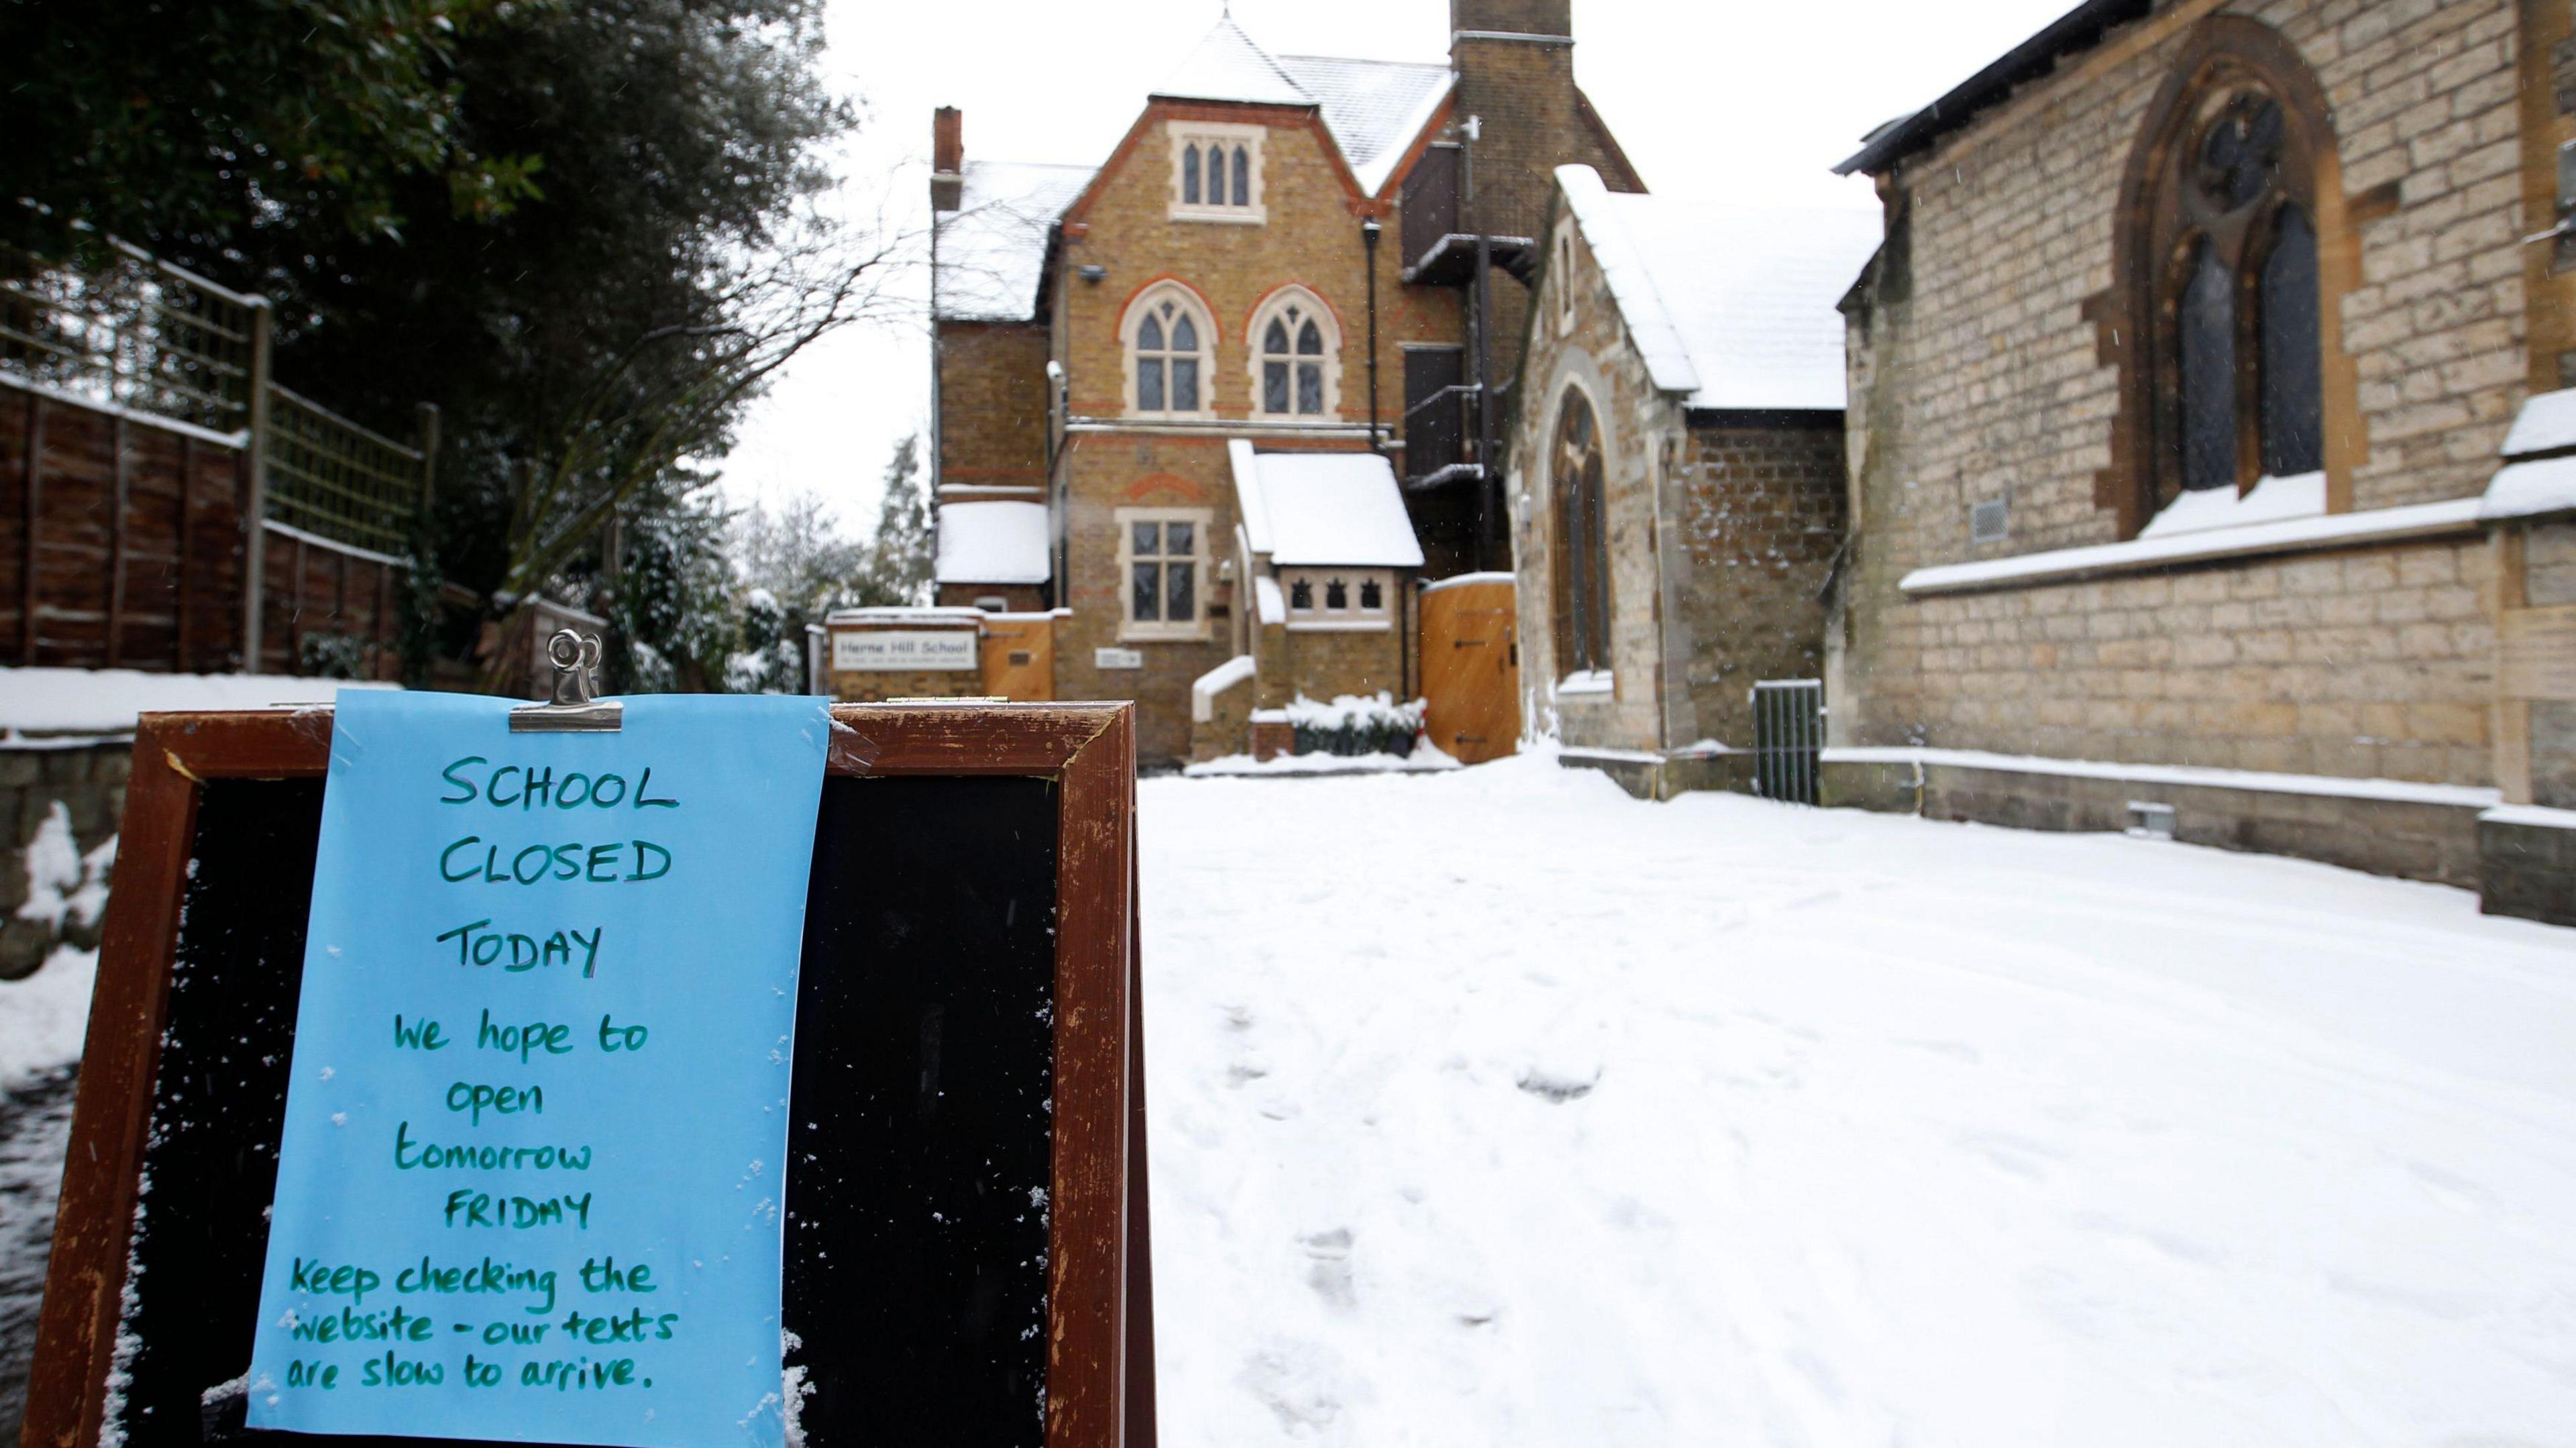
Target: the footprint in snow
(1550, 1086)
(1328, 1268)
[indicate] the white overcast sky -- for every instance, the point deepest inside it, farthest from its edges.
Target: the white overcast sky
(1751, 99)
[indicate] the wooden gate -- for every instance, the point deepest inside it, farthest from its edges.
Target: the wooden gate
(1019, 657)
(1471, 667)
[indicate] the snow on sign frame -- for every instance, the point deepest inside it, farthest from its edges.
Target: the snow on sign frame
(966, 1017)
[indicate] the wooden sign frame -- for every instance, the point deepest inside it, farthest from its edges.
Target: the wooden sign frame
(1099, 1339)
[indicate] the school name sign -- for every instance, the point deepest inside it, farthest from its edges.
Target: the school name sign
(530, 1180)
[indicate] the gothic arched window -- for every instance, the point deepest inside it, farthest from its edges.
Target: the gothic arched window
(2220, 322)
(1190, 176)
(1581, 549)
(1296, 356)
(1168, 340)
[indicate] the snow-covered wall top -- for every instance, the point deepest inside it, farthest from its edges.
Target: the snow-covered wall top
(1733, 307)
(106, 701)
(992, 543)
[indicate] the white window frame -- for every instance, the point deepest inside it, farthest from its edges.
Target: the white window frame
(1131, 627)
(1309, 307)
(1319, 616)
(1149, 303)
(1232, 136)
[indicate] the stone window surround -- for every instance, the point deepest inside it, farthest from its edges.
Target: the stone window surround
(1564, 603)
(1202, 319)
(1130, 629)
(1329, 321)
(1561, 276)
(1230, 134)
(2222, 53)
(1351, 618)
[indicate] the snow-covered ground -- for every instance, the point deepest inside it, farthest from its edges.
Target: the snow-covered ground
(1491, 1106)
(1495, 1107)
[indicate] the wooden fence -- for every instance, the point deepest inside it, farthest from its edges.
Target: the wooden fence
(165, 505)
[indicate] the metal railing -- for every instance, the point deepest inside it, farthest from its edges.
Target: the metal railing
(1788, 738)
(134, 332)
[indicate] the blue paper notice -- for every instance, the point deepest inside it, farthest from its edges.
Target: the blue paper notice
(531, 1177)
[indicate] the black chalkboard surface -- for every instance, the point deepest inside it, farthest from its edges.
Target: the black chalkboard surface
(936, 1287)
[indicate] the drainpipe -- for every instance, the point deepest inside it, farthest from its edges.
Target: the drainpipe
(1059, 515)
(1368, 248)
(1487, 482)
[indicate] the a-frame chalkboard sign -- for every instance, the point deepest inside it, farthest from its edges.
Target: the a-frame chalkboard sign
(967, 1018)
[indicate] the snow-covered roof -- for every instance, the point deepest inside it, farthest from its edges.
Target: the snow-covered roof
(992, 543)
(105, 701)
(1731, 306)
(993, 248)
(1227, 66)
(1323, 508)
(1374, 108)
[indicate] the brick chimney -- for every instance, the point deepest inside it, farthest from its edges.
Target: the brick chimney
(1544, 18)
(947, 157)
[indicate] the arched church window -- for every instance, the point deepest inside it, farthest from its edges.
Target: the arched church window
(1215, 176)
(2293, 381)
(1372, 595)
(1301, 595)
(2219, 323)
(1297, 359)
(1337, 596)
(1242, 177)
(1168, 340)
(1581, 547)
(1190, 176)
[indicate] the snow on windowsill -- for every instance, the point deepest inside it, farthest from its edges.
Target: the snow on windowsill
(2271, 500)
(1330, 625)
(1586, 681)
(2282, 535)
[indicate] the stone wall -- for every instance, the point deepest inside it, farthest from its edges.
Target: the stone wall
(2549, 578)
(1638, 428)
(1757, 516)
(2371, 663)
(1323, 664)
(1987, 377)
(47, 790)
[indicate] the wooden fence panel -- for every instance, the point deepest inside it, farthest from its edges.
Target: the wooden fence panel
(120, 539)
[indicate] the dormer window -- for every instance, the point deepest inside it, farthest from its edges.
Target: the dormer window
(1216, 172)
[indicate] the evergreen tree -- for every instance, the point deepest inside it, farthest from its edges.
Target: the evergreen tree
(898, 567)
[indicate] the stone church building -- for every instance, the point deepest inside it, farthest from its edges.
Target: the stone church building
(2209, 439)
(1284, 255)
(2183, 388)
